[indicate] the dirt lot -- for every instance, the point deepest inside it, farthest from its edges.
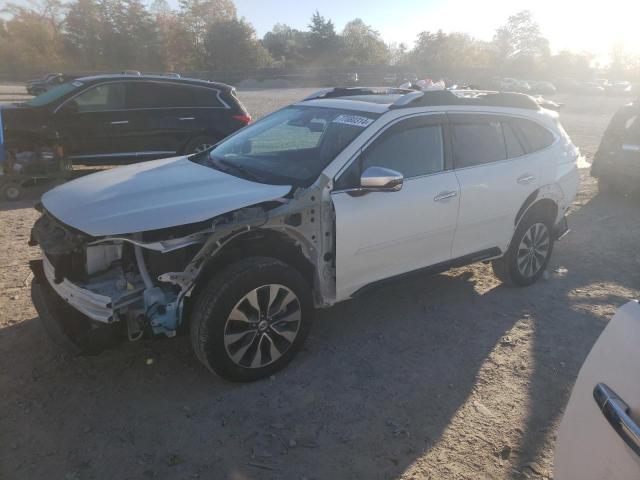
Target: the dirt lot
(450, 376)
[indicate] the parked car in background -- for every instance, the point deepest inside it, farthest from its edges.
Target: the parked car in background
(599, 436)
(590, 88)
(352, 78)
(566, 85)
(514, 85)
(123, 118)
(390, 79)
(49, 81)
(616, 163)
(620, 87)
(314, 204)
(542, 87)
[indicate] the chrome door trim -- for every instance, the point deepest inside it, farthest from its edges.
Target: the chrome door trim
(89, 87)
(445, 196)
(123, 154)
(616, 411)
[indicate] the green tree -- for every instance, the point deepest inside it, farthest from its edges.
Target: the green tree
(198, 16)
(362, 45)
(519, 43)
(285, 44)
(442, 53)
(323, 41)
(32, 41)
(232, 45)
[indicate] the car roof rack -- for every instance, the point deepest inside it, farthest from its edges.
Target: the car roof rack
(135, 73)
(354, 91)
(466, 97)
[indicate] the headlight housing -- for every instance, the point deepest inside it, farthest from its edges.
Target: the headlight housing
(100, 257)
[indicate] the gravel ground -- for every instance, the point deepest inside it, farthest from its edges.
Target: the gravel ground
(451, 376)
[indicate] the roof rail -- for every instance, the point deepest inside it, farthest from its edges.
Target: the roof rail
(354, 91)
(466, 97)
(171, 74)
(135, 73)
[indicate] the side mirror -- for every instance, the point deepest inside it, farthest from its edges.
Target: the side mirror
(379, 179)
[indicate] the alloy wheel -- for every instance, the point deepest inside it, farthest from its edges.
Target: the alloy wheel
(202, 148)
(262, 326)
(533, 250)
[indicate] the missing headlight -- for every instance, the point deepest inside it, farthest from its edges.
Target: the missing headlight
(100, 257)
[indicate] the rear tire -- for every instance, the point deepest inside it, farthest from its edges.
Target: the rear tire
(200, 144)
(251, 319)
(529, 252)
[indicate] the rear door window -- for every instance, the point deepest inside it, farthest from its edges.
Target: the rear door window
(206, 97)
(171, 95)
(513, 145)
(477, 143)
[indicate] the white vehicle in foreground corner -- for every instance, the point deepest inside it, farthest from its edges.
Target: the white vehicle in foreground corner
(599, 437)
(314, 204)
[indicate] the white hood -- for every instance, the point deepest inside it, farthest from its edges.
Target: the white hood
(152, 195)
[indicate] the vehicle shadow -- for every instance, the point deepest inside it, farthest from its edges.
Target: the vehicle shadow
(374, 394)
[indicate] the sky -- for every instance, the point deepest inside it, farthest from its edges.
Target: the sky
(569, 24)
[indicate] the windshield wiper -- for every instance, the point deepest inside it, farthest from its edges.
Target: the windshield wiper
(244, 171)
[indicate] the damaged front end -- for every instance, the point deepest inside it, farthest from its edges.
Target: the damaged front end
(139, 284)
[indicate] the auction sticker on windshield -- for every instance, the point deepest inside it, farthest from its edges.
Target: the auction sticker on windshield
(353, 120)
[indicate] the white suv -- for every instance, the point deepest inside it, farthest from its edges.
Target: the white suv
(313, 204)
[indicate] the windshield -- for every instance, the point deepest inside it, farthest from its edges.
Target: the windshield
(53, 94)
(291, 146)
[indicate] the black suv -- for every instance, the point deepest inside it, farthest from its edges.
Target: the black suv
(109, 118)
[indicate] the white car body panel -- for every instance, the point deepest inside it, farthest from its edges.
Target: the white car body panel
(383, 234)
(490, 199)
(588, 448)
(153, 195)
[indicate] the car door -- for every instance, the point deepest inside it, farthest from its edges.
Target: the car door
(95, 123)
(152, 103)
(599, 436)
(169, 115)
(384, 234)
(496, 176)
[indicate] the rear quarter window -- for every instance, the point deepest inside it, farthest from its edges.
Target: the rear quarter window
(534, 136)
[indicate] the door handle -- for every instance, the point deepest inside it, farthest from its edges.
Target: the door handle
(444, 196)
(120, 122)
(526, 178)
(184, 119)
(617, 414)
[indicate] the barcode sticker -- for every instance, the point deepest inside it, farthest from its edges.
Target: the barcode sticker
(353, 120)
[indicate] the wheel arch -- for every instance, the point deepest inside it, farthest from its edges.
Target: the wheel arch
(262, 242)
(214, 134)
(545, 199)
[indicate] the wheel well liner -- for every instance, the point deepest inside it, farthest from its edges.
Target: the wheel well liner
(546, 206)
(259, 243)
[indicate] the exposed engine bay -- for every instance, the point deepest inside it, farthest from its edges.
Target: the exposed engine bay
(144, 280)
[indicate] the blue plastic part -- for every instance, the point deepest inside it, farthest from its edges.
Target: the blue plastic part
(162, 314)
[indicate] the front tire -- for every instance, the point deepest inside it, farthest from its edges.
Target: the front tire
(250, 320)
(529, 252)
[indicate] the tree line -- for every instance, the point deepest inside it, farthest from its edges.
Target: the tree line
(208, 35)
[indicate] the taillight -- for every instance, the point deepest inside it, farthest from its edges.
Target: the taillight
(246, 119)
